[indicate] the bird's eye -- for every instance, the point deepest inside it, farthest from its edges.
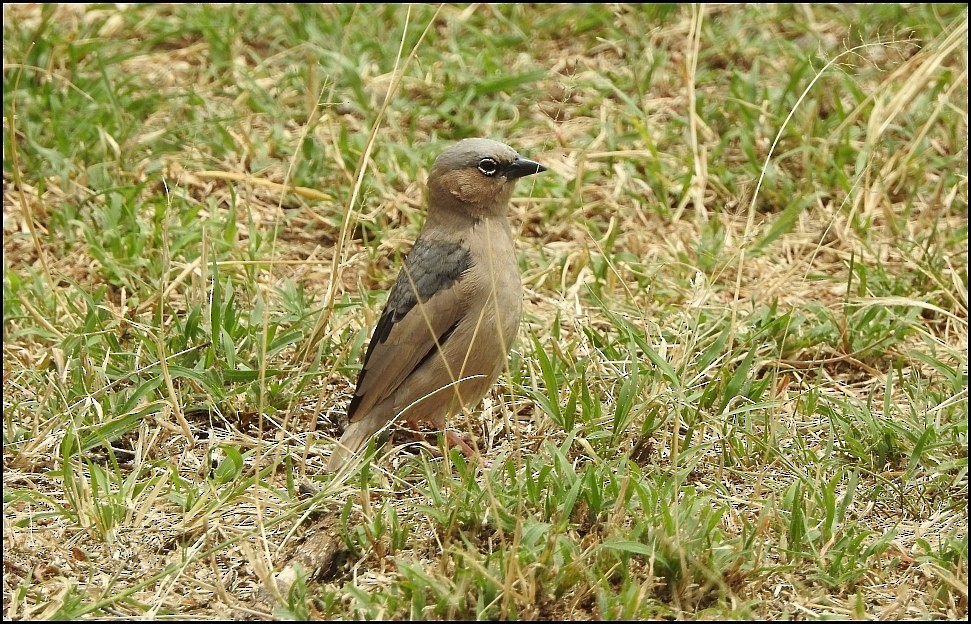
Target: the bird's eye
(488, 166)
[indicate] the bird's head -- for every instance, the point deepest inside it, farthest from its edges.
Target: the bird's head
(477, 176)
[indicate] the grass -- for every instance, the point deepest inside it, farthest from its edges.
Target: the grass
(741, 386)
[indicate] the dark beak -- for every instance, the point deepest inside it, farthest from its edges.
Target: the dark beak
(522, 167)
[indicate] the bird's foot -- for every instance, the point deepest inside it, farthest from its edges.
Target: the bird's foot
(460, 440)
(453, 439)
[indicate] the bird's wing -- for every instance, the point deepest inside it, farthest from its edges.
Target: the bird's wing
(424, 307)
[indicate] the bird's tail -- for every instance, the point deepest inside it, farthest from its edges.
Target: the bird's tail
(354, 439)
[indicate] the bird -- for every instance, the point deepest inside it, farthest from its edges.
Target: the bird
(453, 311)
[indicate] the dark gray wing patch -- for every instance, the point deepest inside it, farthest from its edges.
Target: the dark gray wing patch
(430, 267)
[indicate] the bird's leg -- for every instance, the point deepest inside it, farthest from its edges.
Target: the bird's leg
(452, 438)
(459, 440)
